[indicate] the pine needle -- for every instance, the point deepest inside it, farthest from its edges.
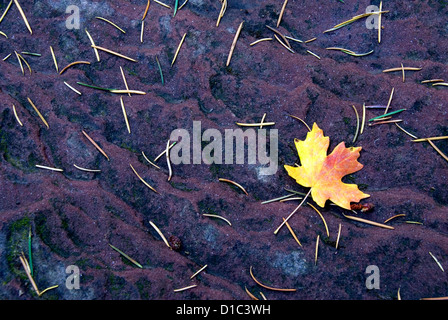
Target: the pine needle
(126, 256)
(72, 88)
(84, 169)
(321, 216)
(49, 168)
(438, 150)
(150, 162)
(234, 183)
(23, 16)
(141, 179)
(222, 11)
(146, 10)
(290, 215)
(197, 272)
(168, 162)
(111, 23)
(6, 11)
(54, 59)
(268, 287)
(357, 124)
(95, 145)
(178, 49)
(260, 40)
(369, 222)
(232, 48)
(73, 64)
(281, 13)
(217, 216)
(114, 53)
(317, 249)
(292, 232)
(93, 44)
(125, 115)
(339, 236)
(160, 233)
(15, 115)
(185, 288)
(437, 261)
(38, 113)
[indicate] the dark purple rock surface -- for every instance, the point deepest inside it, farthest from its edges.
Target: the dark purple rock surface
(74, 215)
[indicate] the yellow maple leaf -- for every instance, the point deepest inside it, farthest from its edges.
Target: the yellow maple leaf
(323, 173)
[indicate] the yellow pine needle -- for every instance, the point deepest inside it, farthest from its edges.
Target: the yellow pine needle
(283, 44)
(146, 10)
(292, 232)
(126, 256)
(93, 43)
(432, 80)
(285, 40)
(127, 91)
(95, 145)
(217, 216)
(6, 10)
(357, 124)
(234, 183)
(379, 21)
(141, 179)
(317, 249)
(20, 62)
(114, 53)
(197, 272)
(222, 11)
(23, 16)
(162, 4)
(26, 267)
(38, 113)
(160, 233)
(363, 124)
(110, 22)
(185, 288)
(168, 162)
(409, 134)
(72, 88)
(250, 294)
(306, 125)
(54, 59)
(430, 138)
(178, 49)
(268, 287)
(393, 217)
(84, 169)
(124, 79)
(402, 68)
(281, 13)
(260, 40)
(291, 214)
(141, 31)
(293, 39)
(313, 54)
(232, 48)
(15, 115)
(49, 168)
(339, 236)
(438, 150)
(150, 162)
(73, 64)
(437, 261)
(369, 222)
(254, 124)
(310, 40)
(322, 217)
(4, 59)
(49, 288)
(262, 119)
(20, 57)
(355, 18)
(164, 151)
(124, 115)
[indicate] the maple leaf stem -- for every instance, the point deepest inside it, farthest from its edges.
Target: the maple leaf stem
(290, 215)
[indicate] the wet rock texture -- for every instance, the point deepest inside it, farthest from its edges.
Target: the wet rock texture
(75, 215)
